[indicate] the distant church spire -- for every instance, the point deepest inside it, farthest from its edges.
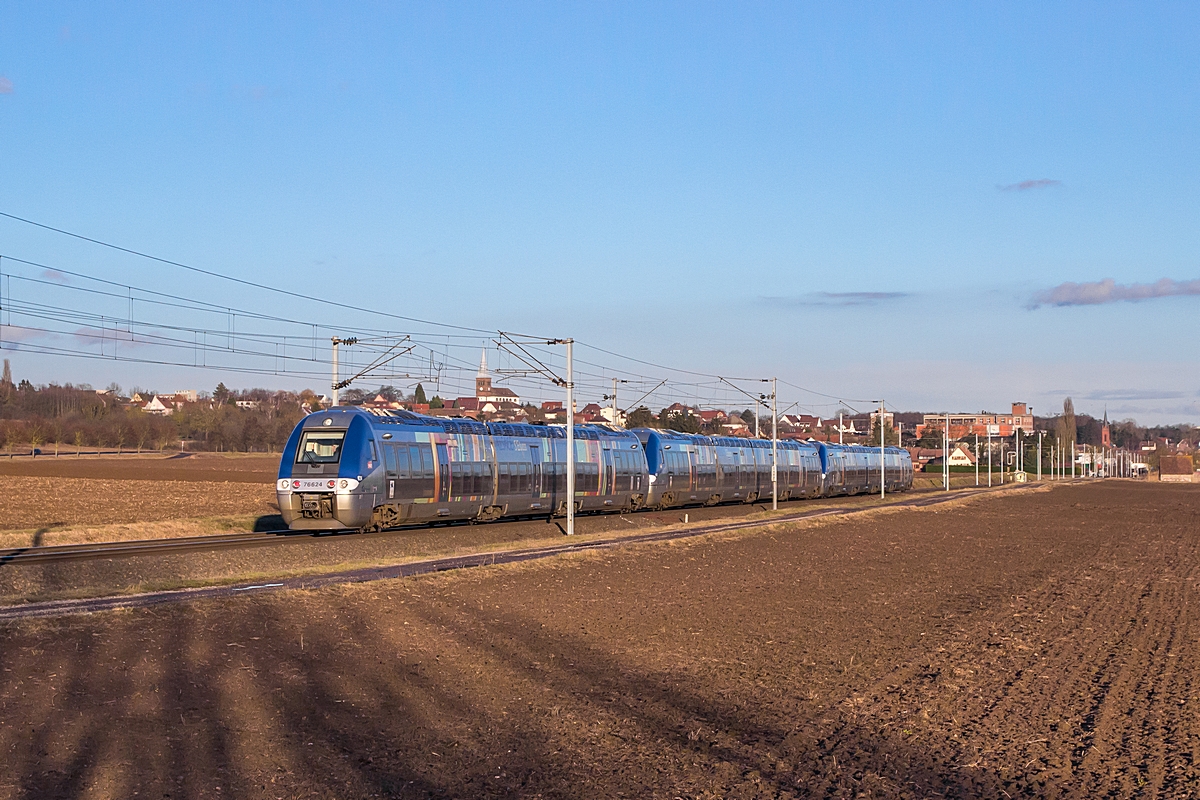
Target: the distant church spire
(483, 380)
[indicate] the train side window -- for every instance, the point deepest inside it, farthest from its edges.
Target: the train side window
(502, 478)
(399, 456)
(390, 457)
(374, 452)
(426, 462)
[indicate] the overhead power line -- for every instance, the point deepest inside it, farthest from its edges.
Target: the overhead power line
(242, 281)
(439, 346)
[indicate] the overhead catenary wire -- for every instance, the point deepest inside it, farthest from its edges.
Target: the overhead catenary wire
(589, 375)
(241, 281)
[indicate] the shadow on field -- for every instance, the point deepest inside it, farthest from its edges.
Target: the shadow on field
(264, 699)
(269, 522)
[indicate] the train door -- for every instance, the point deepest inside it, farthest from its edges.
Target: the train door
(535, 456)
(390, 472)
(610, 484)
(443, 474)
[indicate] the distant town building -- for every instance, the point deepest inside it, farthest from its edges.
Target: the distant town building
(735, 426)
(156, 406)
(593, 412)
(1176, 469)
(485, 392)
(960, 456)
(161, 405)
(379, 401)
(981, 424)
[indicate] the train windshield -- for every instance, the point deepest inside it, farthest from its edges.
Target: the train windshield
(320, 447)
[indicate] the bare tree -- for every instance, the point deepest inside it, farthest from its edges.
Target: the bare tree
(36, 438)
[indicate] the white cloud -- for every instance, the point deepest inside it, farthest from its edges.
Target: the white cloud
(1109, 291)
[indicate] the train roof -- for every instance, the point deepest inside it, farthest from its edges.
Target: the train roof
(715, 441)
(392, 416)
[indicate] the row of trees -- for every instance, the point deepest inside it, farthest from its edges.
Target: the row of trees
(682, 421)
(353, 396)
(68, 418)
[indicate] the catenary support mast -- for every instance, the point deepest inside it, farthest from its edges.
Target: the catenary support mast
(774, 444)
(570, 439)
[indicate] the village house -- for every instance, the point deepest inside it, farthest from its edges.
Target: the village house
(735, 426)
(1176, 469)
(379, 401)
(799, 424)
(161, 404)
(960, 456)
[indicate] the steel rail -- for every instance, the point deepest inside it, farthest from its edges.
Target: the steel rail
(53, 608)
(144, 547)
(137, 547)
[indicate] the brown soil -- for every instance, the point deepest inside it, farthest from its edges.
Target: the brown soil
(1036, 644)
(49, 503)
(235, 468)
(307, 554)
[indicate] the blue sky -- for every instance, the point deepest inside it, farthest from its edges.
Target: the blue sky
(863, 200)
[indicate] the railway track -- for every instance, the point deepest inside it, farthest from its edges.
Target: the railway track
(139, 547)
(126, 549)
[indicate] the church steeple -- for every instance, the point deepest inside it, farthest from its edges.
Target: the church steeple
(483, 379)
(1105, 433)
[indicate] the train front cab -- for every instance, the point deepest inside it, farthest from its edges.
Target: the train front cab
(328, 457)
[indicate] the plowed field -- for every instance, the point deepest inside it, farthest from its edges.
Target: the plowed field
(1041, 644)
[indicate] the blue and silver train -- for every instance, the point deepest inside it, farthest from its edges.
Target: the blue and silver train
(351, 469)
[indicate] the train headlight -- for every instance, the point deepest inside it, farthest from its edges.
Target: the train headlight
(345, 483)
(295, 484)
(330, 484)
(283, 484)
